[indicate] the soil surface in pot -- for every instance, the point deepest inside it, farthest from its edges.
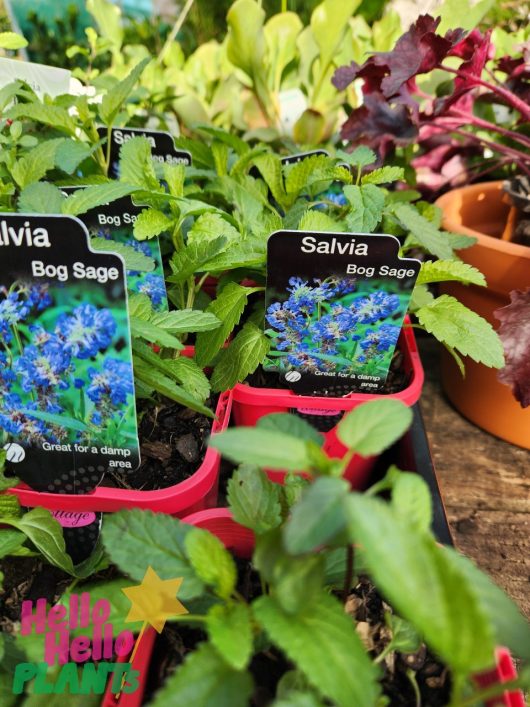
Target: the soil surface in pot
(397, 380)
(172, 447)
(402, 673)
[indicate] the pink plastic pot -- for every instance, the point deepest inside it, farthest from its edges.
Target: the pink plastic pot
(193, 494)
(252, 403)
(240, 541)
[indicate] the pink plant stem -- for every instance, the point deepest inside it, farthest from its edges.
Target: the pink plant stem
(479, 123)
(508, 96)
(517, 155)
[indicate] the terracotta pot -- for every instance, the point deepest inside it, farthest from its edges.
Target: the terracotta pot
(479, 211)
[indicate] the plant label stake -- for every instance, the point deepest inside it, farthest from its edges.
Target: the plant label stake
(335, 305)
(81, 532)
(113, 223)
(67, 405)
(162, 146)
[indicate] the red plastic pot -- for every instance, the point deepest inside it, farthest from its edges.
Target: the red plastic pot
(252, 403)
(240, 541)
(193, 494)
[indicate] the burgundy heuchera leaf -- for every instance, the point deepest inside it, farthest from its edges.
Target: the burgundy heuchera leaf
(515, 335)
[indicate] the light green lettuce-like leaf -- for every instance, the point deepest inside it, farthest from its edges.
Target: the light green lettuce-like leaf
(151, 223)
(467, 15)
(329, 22)
(108, 19)
(246, 39)
(205, 680)
(423, 231)
(421, 296)
(211, 561)
(83, 200)
(41, 198)
(419, 582)
(116, 96)
(153, 540)
(227, 308)
(443, 270)
(367, 204)
(411, 499)
(230, 631)
(362, 156)
(347, 675)
(281, 32)
(253, 499)
(374, 426)
(318, 517)
(34, 164)
(133, 259)
(242, 357)
(12, 41)
(457, 326)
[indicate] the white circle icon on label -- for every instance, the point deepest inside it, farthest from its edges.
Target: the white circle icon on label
(14, 452)
(293, 376)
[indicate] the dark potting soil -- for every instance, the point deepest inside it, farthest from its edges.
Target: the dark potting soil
(397, 380)
(172, 447)
(364, 604)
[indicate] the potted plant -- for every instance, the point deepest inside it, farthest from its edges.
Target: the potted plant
(482, 112)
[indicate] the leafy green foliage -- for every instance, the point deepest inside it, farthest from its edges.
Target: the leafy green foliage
(372, 427)
(444, 270)
(253, 499)
(211, 561)
(241, 357)
(230, 631)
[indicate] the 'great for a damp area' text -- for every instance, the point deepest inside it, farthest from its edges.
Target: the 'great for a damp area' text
(80, 271)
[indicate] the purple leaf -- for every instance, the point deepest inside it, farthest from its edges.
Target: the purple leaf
(515, 335)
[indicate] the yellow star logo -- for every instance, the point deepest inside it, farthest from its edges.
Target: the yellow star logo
(154, 601)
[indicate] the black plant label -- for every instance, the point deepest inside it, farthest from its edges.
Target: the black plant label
(335, 305)
(67, 405)
(301, 156)
(162, 146)
(114, 222)
(81, 532)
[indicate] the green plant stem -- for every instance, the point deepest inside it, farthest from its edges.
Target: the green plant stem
(16, 334)
(412, 679)
(108, 150)
(349, 573)
(284, 6)
(488, 693)
(486, 125)
(386, 650)
(175, 30)
(201, 282)
(191, 293)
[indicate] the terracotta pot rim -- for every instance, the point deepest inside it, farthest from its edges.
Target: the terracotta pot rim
(452, 223)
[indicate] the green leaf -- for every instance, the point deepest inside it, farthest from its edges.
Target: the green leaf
(228, 308)
(10, 540)
(367, 204)
(12, 41)
(9, 503)
(118, 94)
(270, 167)
(64, 421)
(151, 223)
(154, 334)
(192, 258)
(319, 221)
(457, 326)
(71, 153)
(230, 631)
(136, 164)
(152, 539)
(322, 642)
(419, 582)
(318, 517)
(133, 259)
(296, 698)
(442, 270)
(242, 357)
(253, 499)
(311, 170)
(34, 164)
(191, 376)
(292, 425)
(281, 32)
(184, 321)
(384, 175)
(510, 626)
(264, 448)
(166, 386)
(420, 297)
(210, 226)
(297, 581)
(40, 198)
(83, 200)
(246, 40)
(374, 426)
(54, 116)
(108, 19)
(411, 499)
(465, 14)
(140, 306)
(405, 638)
(423, 231)
(211, 561)
(205, 680)
(329, 22)
(362, 156)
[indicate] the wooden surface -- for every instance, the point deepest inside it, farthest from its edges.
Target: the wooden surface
(485, 484)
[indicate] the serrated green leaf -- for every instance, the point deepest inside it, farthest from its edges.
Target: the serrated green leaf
(367, 204)
(117, 95)
(40, 198)
(54, 116)
(154, 334)
(443, 270)
(227, 308)
(210, 226)
(292, 425)
(136, 164)
(297, 698)
(318, 517)
(420, 297)
(420, 583)
(405, 638)
(140, 306)
(134, 260)
(424, 232)
(313, 220)
(374, 426)
(253, 499)
(240, 358)
(205, 680)
(184, 321)
(155, 540)
(71, 153)
(211, 561)
(346, 676)
(174, 175)
(461, 329)
(315, 168)
(384, 175)
(362, 156)
(230, 631)
(191, 377)
(83, 200)
(151, 223)
(10, 540)
(34, 164)
(411, 499)
(192, 258)
(270, 167)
